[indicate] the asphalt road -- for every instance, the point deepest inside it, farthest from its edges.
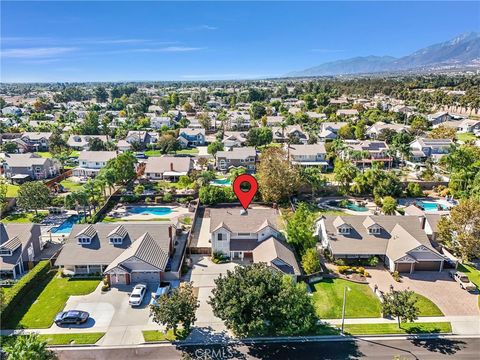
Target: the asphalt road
(460, 348)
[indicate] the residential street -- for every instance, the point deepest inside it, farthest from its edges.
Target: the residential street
(367, 348)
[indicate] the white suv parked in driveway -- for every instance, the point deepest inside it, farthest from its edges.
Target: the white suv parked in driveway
(137, 295)
(463, 280)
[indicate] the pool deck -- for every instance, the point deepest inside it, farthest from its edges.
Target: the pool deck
(177, 212)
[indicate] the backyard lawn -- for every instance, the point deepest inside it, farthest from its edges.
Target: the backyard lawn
(25, 217)
(150, 153)
(12, 190)
(39, 308)
(405, 328)
(71, 185)
(155, 335)
(328, 299)
(427, 307)
(466, 136)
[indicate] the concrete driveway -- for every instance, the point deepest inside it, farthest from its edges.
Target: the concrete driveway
(203, 274)
(110, 312)
(436, 286)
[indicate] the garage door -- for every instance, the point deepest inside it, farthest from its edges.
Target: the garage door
(428, 266)
(120, 279)
(146, 276)
(403, 267)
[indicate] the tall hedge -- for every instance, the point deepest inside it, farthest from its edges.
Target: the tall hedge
(23, 286)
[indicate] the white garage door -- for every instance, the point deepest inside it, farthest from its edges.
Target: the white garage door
(146, 276)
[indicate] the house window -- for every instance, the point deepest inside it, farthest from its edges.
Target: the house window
(84, 240)
(344, 230)
(243, 234)
(219, 237)
(375, 230)
(5, 252)
(116, 240)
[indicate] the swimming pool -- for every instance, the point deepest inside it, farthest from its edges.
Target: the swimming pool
(67, 225)
(150, 210)
(221, 182)
(431, 206)
(350, 206)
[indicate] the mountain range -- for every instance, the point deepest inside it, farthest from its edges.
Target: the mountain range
(459, 52)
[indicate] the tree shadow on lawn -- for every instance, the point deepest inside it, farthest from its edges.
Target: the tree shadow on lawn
(12, 319)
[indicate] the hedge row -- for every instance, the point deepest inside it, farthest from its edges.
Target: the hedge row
(16, 293)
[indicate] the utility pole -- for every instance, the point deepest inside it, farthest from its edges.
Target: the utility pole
(344, 306)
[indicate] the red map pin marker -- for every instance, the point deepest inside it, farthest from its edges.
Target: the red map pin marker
(245, 197)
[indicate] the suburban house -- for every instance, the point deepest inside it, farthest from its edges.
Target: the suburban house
(329, 130)
(91, 162)
(140, 137)
(275, 120)
(33, 141)
(439, 117)
(189, 137)
(125, 252)
(370, 151)
(424, 148)
(167, 167)
(80, 142)
(233, 139)
(157, 122)
(347, 112)
(374, 130)
(464, 126)
(19, 244)
(12, 110)
(245, 157)
(251, 235)
(308, 155)
(29, 166)
(399, 241)
(292, 132)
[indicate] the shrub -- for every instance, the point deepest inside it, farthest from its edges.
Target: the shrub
(219, 258)
(366, 274)
(361, 270)
(148, 200)
(168, 198)
(340, 262)
(158, 199)
(343, 269)
(311, 261)
(105, 287)
(373, 261)
(18, 291)
(396, 276)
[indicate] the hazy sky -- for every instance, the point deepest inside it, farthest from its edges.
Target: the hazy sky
(108, 41)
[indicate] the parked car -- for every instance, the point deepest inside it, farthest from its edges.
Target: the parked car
(463, 280)
(137, 295)
(163, 289)
(141, 155)
(71, 317)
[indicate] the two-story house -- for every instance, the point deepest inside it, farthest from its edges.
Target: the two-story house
(29, 166)
(245, 157)
(439, 117)
(91, 162)
(232, 139)
(34, 141)
(329, 130)
(81, 142)
(157, 122)
(308, 155)
(292, 133)
(377, 128)
(366, 152)
(191, 137)
(251, 235)
(424, 148)
(167, 167)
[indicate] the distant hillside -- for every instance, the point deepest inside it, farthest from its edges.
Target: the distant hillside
(463, 50)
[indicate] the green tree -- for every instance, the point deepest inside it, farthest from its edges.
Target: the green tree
(215, 147)
(168, 143)
(460, 232)
(344, 173)
(256, 301)
(10, 147)
(257, 110)
(33, 195)
(211, 195)
(235, 172)
(29, 347)
(400, 304)
(346, 132)
(313, 177)
(311, 261)
(176, 309)
(123, 166)
(389, 205)
(101, 95)
(443, 132)
(300, 229)
(139, 189)
(277, 178)
(259, 136)
(418, 125)
(3, 194)
(91, 125)
(96, 144)
(414, 190)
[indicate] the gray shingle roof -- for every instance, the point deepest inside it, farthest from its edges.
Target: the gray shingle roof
(168, 163)
(271, 250)
(252, 221)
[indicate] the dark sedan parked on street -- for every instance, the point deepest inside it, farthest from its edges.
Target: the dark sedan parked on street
(71, 317)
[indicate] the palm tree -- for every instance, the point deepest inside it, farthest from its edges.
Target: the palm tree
(91, 191)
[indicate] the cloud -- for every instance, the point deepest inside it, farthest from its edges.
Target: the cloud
(202, 27)
(37, 52)
(326, 51)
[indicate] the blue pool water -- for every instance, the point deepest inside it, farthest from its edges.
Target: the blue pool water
(222, 182)
(430, 205)
(150, 210)
(351, 206)
(67, 225)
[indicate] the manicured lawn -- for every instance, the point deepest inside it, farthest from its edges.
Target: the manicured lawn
(328, 299)
(155, 335)
(188, 152)
(153, 153)
(12, 190)
(44, 154)
(320, 212)
(466, 136)
(405, 328)
(26, 217)
(71, 185)
(472, 273)
(62, 339)
(427, 307)
(48, 298)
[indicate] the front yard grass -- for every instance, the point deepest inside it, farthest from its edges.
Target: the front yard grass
(473, 274)
(39, 308)
(60, 339)
(328, 299)
(156, 335)
(427, 307)
(405, 328)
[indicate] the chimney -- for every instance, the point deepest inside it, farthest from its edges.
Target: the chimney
(170, 235)
(171, 166)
